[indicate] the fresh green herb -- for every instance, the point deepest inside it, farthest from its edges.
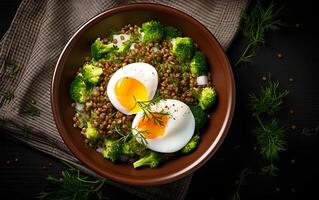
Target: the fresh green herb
(112, 115)
(310, 131)
(255, 24)
(140, 134)
(270, 137)
(126, 137)
(156, 116)
(161, 68)
(170, 67)
(8, 95)
(269, 100)
(270, 169)
(72, 185)
(175, 81)
(32, 111)
(146, 107)
(270, 140)
(240, 183)
(117, 129)
(15, 69)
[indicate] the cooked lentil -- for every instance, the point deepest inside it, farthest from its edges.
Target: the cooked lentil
(174, 83)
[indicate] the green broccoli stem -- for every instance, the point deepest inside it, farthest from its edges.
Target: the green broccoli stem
(151, 160)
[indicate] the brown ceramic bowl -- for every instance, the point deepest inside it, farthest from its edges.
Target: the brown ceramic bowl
(73, 56)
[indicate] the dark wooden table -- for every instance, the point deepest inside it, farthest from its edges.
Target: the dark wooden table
(23, 170)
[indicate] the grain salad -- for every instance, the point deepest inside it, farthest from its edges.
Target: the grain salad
(143, 96)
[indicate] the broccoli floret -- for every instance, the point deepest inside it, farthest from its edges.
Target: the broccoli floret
(152, 160)
(198, 64)
(79, 90)
(171, 32)
(184, 66)
(91, 133)
(132, 147)
(183, 48)
(100, 50)
(152, 31)
(113, 150)
(91, 74)
(191, 145)
(125, 46)
(200, 116)
(207, 98)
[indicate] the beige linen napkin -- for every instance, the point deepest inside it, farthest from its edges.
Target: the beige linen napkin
(30, 49)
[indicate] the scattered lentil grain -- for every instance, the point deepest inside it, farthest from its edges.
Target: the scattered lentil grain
(280, 55)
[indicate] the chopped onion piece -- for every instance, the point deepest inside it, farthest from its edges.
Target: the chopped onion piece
(100, 149)
(202, 80)
(154, 49)
(79, 106)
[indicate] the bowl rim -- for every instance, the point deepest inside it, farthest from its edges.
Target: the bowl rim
(163, 179)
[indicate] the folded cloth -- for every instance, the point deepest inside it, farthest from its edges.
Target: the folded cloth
(29, 51)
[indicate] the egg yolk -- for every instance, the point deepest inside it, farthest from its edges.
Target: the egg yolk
(154, 126)
(128, 91)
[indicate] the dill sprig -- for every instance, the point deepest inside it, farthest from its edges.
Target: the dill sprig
(148, 113)
(140, 135)
(310, 131)
(8, 95)
(270, 169)
(15, 69)
(72, 185)
(32, 111)
(269, 100)
(270, 140)
(240, 183)
(255, 24)
(270, 137)
(125, 137)
(117, 129)
(175, 81)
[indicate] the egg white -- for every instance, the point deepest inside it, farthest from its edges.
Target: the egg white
(143, 72)
(178, 131)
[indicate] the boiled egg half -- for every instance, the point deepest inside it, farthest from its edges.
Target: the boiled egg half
(130, 84)
(168, 129)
